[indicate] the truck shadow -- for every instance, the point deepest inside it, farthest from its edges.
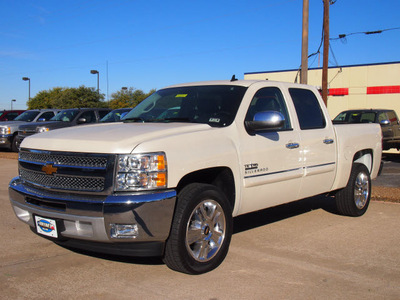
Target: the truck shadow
(240, 224)
(282, 212)
(391, 157)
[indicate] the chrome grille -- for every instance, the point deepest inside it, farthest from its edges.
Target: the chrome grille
(90, 184)
(82, 161)
(63, 171)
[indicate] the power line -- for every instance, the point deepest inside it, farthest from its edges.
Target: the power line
(343, 36)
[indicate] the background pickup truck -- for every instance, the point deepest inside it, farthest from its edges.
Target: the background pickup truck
(169, 179)
(65, 118)
(387, 118)
(9, 129)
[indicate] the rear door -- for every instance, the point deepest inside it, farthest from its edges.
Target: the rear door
(394, 124)
(317, 140)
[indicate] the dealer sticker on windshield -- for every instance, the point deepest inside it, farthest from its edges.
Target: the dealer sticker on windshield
(46, 226)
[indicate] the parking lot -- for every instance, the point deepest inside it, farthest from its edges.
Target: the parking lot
(301, 250)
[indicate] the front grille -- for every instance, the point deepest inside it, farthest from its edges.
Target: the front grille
(74, 183)
(62, 171)
(82, 161)
(25, 133)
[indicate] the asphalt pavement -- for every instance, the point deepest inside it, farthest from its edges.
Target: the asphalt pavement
(301, 250)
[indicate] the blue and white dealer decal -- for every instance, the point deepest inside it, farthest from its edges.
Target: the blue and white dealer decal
(46, 227)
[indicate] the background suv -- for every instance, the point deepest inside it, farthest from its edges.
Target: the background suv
(387, 118)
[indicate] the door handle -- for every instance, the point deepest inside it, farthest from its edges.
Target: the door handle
(292, 145)
(328, 141)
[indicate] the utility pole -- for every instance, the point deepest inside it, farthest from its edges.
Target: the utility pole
(304, 44)
(326, 53)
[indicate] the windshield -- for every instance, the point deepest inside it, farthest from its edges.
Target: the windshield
(67, 115)
(356, 117)
(27, 116)
(115, 115)
(215, 105)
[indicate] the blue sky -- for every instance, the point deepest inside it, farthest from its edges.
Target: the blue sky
(149, 44)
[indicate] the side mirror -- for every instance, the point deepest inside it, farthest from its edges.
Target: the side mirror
(384, 122)
(81, 120)
(264, 121)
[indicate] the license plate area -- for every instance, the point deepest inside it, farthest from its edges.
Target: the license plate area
(47, 227)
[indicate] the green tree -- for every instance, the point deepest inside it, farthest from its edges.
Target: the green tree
(67, 98)
(128, 98)
(45, 99)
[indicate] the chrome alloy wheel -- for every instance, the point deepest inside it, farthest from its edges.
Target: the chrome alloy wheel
(361, 190)
(205, 231)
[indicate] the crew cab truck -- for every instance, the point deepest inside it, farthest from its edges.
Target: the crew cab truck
(9, 129)
(170, 187)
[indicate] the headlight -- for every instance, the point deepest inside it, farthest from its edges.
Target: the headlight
(141, 172)
(5, 130)
(42, 129)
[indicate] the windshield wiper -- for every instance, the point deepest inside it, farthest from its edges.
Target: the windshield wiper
(136, 119)
(176, 120)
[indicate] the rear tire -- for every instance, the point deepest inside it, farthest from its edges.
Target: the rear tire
(354, 199)
(201, 230)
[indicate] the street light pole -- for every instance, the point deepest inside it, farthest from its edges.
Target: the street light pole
(13, 100)
(96, 72)
(29, 80)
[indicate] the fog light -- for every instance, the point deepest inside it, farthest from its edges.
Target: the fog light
(124, 231)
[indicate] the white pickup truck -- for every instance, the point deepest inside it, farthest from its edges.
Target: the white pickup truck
(168, 180)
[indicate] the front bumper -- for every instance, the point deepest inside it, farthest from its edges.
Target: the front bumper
(5, 140)
(86, 221)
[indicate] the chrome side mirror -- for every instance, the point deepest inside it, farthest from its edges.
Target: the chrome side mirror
(384, 122)
(264, 121)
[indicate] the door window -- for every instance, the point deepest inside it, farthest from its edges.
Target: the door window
(268, 99)
(307, 108)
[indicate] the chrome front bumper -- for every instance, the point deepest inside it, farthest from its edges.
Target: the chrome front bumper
(91, 218)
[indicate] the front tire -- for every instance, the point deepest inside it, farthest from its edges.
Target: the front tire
(354, 199)
(201, 230)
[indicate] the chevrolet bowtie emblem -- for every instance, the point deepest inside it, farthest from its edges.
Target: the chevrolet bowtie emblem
(49, 169)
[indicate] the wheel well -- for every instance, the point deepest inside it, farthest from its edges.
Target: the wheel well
(364, 157)
(221, 177)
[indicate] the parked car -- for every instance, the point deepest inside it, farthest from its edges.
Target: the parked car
(9, 129)
(115, 115)
(65, 118)
(387, 118)
(9, 115)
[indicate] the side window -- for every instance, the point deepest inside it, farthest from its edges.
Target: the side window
(103, 113)
(47, 115)
(268, 99)
(89, 116)
(11, 116)
(307, 108)
(382, 117)
(392, 117)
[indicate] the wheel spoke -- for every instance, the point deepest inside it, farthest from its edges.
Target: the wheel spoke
(194, 235)
(204, 250)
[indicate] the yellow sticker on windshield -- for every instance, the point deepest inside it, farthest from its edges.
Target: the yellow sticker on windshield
(181, 96)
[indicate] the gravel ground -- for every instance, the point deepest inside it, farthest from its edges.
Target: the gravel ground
(379, 193)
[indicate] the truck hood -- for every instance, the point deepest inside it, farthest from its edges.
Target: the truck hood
(107, 138)
(49, 124)
(9, 123)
